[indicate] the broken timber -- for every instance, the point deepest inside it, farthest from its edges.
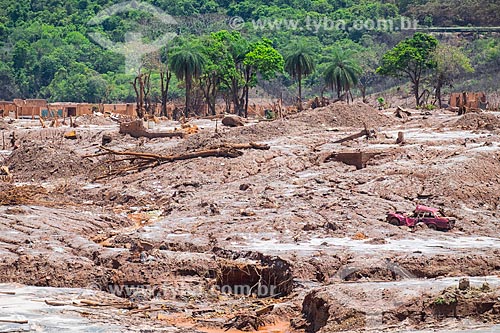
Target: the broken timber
(251, 145)
(402, 113)
(136, 130)
(366, 132)
(146, 160)
(228, 152)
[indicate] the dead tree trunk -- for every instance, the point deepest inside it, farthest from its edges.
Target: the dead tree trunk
(146, 86)
(138, 85)
(165, 76)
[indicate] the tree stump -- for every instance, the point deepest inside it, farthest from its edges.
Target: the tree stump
(401, 138)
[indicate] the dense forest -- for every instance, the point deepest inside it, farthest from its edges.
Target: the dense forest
(47, 49)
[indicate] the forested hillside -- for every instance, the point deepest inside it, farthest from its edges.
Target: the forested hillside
(47, 51)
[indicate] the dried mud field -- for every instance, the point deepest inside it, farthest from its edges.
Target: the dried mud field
(287, 239)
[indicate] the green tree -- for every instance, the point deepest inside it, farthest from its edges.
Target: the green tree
(300, 63)
(243, 63)
(8, 87)
(219, 67)
(76, 83)
(450, 63)
(232, 80)
(262, 59)
(343, 73)
(187, 64)
(411, 58)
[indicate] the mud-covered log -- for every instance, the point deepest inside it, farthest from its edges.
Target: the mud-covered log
(354, 136)
(251, 145)
(227, 152)
(136, 130)
(232, 121)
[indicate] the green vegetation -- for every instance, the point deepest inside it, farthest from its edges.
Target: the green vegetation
(343, 73)
(447, 298)
(299, 63)
(411, 58)
(450, 63)
(47, 50)
(187, 65)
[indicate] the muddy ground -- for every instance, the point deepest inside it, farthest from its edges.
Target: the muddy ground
(280, 240)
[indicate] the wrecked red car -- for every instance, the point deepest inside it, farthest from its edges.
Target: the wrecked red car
(432, 217)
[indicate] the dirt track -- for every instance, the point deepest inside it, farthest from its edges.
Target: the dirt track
(284, 221)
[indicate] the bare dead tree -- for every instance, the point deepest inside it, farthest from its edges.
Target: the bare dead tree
(165, 77)
(142, 88)
(138, 85)
(146, 86)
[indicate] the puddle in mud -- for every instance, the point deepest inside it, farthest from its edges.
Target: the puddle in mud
(429, 284)
(91, 186)
(430, 245)
(419, 135)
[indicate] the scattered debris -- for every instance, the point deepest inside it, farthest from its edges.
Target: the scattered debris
(70, 135)
(147, 160)
(244, 187)
(359, 236)
(203, 242)
(475, 121)
(244, 323)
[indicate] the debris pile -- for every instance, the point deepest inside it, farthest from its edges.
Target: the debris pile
(342, 114)
(475, 181)
(33, 161)
(474, 121)
(90, 119)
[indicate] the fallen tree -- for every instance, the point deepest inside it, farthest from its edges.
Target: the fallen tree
(369, 133)
(251, 145)
(142, 160)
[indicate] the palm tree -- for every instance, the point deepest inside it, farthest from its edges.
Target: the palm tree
(187, 64)
(298, 64)
(343, 73)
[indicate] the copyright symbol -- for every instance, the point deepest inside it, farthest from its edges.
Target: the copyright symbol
(236, 23)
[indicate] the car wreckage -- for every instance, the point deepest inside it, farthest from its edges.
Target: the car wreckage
(432, 217)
